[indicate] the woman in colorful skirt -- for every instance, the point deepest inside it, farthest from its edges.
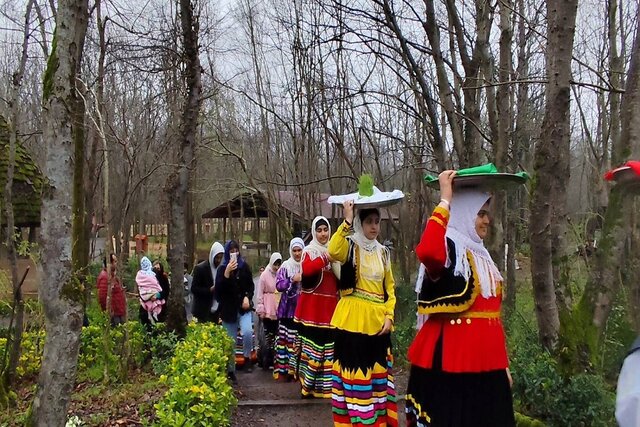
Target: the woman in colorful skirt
(316, 304)
(288, 283)
(459, 367)
(363, 392)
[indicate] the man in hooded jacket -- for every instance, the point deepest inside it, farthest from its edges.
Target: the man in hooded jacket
(203, 285)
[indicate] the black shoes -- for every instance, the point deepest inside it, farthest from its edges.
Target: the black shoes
(248, 365)
(232, 377)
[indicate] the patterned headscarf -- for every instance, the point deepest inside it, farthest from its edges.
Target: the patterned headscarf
(146, 267)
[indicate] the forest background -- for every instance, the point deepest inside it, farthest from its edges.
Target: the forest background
(152, 113)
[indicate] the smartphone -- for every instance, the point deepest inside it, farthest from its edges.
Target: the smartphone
(234, 256)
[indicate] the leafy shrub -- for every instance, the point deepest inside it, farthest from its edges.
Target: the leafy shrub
(524, 421)
(541, 391)
(31, 348)
(100, 349)
(163, 344)
(199, 393)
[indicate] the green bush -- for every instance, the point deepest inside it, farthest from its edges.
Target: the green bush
(405, 321)
(541, 391)
(524, 421)
(100, 349)
(199, 393)
(30, 353)
(163, 344)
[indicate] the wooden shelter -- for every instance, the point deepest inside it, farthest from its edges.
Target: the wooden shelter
(283, 208)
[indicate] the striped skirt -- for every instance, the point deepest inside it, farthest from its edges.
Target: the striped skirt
(363, 392)
(287, 347)
(316, 361)
(239, 350)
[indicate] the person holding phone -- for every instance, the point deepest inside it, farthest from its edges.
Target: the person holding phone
(234, 292)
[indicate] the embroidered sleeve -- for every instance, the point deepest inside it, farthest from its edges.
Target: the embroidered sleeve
(390, 288)
(339, 245)
(432, 249)
(312, 267)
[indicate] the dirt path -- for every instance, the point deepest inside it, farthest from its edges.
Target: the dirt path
(263, 402)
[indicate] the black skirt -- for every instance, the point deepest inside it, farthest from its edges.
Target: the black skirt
(442, 399)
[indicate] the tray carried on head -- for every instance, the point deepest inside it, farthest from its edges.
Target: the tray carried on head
(496, 181)
(485, 177)
(379, 199)
(627, 176)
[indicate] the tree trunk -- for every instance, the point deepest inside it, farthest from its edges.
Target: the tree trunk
(176, 319)
(612, 257)
(15, 335)
(551, 169)
(60, 291)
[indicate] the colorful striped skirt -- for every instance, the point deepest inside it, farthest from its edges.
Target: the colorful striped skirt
(316, 361)
(287, 347)
(239, 350)
(363, 392)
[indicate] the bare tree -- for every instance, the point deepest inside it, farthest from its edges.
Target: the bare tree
(61, 292)
(613, 260)
(551, 166)
(179, 181)
(15, 333)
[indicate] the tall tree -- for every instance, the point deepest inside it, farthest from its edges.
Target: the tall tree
(179, 183)
(60, 292)
(551, 169)
(612, 259)
(15, 335)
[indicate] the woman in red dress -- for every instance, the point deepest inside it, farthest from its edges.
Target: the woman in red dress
(459, 365)
(318, 300)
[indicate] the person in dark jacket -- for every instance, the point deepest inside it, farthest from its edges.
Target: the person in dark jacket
(234, 292)
(203, 285)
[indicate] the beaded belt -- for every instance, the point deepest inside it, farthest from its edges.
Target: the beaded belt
(369, 296)
(457, 319)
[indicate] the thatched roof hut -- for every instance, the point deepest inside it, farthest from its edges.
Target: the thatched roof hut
(28, 182)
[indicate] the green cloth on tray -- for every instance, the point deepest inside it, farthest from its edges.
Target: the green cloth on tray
(489, 168)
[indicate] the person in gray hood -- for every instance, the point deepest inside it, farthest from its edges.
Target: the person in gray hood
(203, 285)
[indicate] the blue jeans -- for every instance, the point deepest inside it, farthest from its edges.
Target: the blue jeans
(245, 322)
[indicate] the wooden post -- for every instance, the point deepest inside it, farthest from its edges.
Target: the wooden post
(224, 229)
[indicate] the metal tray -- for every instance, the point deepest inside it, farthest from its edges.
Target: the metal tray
(627, 179)
(489, 181)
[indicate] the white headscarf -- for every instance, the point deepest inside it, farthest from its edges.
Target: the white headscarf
(216, 249)
(465, 206)
(315, 249)
(274, 257)
(292, 266)
(366, 244)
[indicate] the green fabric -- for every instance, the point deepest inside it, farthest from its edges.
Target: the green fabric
(475, 170)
